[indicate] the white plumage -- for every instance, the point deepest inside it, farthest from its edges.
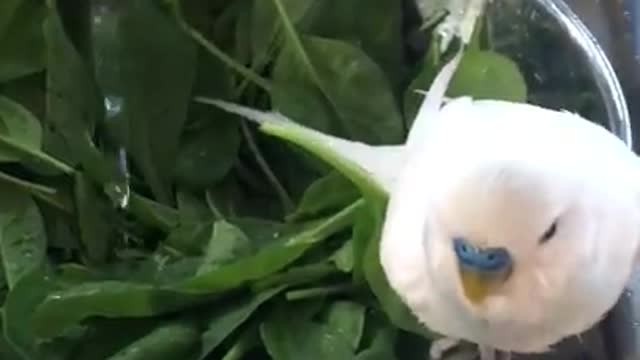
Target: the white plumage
(499, 174)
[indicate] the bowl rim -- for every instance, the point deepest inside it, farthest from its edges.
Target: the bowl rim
(607, 81)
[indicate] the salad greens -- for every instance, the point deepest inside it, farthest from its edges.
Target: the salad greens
(137, 221)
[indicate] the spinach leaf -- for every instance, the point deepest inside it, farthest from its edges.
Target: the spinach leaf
(21, 38)
(146, 79)
(169, 341)
(326, 194)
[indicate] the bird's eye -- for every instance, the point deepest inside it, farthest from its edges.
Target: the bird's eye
(548, 234)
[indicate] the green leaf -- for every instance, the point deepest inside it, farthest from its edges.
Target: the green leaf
(210, 143)
(62, 309)
(347, 319)
(378, 34)
(73, 103)
(247, 340)
(226, 319)
(174, 340)
(146, 78)
(266, 26)
(381, 347)
(207, 154)
(19, 124)
(6, 350)
(152, 213)
(488, 75)
(481, 74)
(227, 243)
(328, 193)
(281, 336)
(105, 337)
(344, 257)
(21, 38)
(189, 237)
(95, 230)
(18, 310)
(192, 208)
(21, 139)
(354, 93)
(22, 238)
(265, 262)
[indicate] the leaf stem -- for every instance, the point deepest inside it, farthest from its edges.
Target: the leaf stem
(218, 53)
(330, 226)
(318, 291)
(36, 155)
(212, 206)
(297, 43)
(296, 276)
(41, 192)
(287, 203)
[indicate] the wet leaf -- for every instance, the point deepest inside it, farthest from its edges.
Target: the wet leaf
(112, 299)
(382, 346)
(22, 237)
(319, 341)
(146, 79)
(18, 124)
(347, 319)
(18, 310)
(73, 102)
(226, 319)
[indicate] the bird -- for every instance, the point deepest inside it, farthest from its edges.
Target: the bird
(509, 225)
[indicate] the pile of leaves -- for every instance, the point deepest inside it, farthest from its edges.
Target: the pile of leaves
(138, 222)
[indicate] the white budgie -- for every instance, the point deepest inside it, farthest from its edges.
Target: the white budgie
(508, 225)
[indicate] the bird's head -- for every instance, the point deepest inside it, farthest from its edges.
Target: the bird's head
(522, 240)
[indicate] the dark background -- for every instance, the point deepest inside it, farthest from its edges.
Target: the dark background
(616, 26)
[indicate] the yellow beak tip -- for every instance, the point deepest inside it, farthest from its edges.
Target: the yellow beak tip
(477, 286)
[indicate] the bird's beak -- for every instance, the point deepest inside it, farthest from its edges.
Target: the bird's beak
(482, 271)
(477, 285)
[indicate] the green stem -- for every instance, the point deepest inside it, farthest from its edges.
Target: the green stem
(246, 342)
(318, 291)
(41, 192)
(287, 203)
(212, 206)
(297, 43)
(152, 213)
(218, 53)
(332, 225)
(36, 155)
(296, 276)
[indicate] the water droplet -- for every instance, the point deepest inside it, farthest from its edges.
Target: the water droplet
(113, 105)
(28, 253)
